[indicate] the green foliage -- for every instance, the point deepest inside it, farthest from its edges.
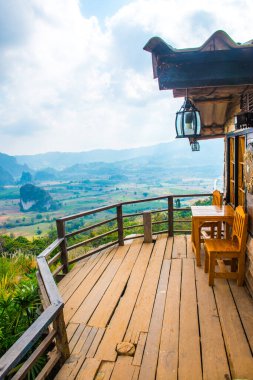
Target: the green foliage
(204, 202)
(19, 299)
(10, 245)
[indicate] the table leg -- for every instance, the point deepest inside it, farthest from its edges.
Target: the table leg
(196, 240)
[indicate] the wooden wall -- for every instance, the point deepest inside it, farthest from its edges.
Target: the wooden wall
(249, 209)
(249, 258)
(249, 265)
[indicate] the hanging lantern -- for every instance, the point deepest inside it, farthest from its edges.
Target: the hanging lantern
(188, 123)
(195, 145)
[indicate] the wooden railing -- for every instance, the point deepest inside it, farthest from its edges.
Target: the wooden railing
(47, 328)
(50, 326)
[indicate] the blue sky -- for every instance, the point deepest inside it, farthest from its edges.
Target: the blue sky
(74, 77)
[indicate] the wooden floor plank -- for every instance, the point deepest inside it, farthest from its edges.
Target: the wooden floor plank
(93, 348)
(67, 279)
(85, 287)
(168, 249)
(143, 309)
(80, 277)
(168, 352)
(214, 358)
(244, 303)
(82, 339)
(89, 369)
(189, 344)
(238, 350)
(136, 373)
(105, 371)
(150, 356)
(189, 251)
(179, 247)
(139, 349)
(119, 322)
(72, 366)
(78, 332)
(112, 295)
(92, 300)
(123, 369)
(71, 329)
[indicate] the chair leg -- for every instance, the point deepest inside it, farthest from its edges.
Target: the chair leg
(241, 269)
(233, 265)
(206, 261)
(211, 269)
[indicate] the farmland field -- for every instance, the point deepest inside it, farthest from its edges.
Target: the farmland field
(75, 197)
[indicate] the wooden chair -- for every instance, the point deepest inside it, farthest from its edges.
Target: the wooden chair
(209, 229)
(217, 250)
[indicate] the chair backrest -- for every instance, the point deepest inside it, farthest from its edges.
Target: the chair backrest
(217, 198)
(240, 223)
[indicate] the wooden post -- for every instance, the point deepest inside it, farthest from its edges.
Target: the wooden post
(63, 246)
(61, 337)
(147, 223)
(170, 215)
(120, 225)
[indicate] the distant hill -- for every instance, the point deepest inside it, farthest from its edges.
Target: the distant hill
(34, 198)
(5, 177)
(10, 164)
(175, 153)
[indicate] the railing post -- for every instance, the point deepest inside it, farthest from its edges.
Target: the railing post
(63, 246)
(147, 223)
(120, 225)
(170, 215)
(61, 337)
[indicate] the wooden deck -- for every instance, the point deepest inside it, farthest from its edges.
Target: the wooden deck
(155, 297)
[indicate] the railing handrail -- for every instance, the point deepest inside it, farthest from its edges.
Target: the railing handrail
(142, 200)
(85, 213)
(54, 311)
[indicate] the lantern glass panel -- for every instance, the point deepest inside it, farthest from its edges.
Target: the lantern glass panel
(179, 124)
(198, 122)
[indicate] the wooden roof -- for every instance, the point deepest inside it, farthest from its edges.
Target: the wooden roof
(215, 74)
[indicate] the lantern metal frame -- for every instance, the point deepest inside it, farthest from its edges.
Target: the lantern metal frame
(188, 122)
(195, 145)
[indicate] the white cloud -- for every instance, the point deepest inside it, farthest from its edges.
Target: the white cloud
(72, 83)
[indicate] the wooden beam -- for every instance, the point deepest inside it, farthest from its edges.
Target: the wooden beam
(147, 223)
(120, 225)
(63, 246)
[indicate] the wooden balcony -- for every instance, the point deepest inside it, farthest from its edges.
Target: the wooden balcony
(134, 310)
(154, 297)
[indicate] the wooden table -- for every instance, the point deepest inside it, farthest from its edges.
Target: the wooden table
(202, 214)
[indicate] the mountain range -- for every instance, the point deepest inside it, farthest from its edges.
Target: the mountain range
(177, 153)
(167, 159)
